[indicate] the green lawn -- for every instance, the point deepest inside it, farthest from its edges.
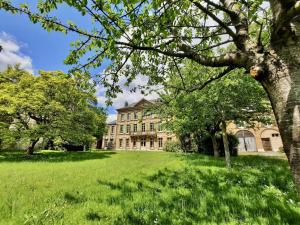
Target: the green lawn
(144, 188)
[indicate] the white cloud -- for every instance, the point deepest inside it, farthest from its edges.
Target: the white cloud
(127, 95)
(11, 54)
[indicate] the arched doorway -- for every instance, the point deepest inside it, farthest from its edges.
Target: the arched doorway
(247, 141)
(271, 140)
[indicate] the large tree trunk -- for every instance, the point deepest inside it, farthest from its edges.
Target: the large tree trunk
(30, 149)
(215, 145)
(282, 83)
(226, 145)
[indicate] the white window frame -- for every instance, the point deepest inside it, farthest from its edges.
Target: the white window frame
(127, 128)
(152, 127)
(143, 142)
(122, 117)
(160, 142)
(128, 116)
(151, 142)
(112, 130)
(135, 127)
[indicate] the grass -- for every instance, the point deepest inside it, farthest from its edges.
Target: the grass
(144, 188)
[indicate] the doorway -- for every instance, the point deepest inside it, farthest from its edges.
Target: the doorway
(143, 143)
(247, 141)
(266, 144)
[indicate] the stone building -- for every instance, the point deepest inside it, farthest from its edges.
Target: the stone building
(260, 138)
(136, 128)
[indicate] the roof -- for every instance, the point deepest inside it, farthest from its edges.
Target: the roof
(114, 122)
(134, 104)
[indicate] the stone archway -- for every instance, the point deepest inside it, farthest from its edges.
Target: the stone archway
(271, 139)
(247, 141)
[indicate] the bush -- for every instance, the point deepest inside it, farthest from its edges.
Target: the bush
(172, 146)
(205, 145)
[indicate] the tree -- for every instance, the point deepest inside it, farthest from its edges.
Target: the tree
(156, 34)
(48, 106)
(232, 98)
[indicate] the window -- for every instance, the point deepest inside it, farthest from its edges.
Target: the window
(151, 142)
(275, 135)
(160, 142)
(121, 129)
(105, 142)
(169, 139)
(135, 115)
(122, 117)
(159, 128)
(128, 116)
(134, 143)
(127, 143)
(127, 128)
(121, 143)
(134, 127)
(112, 129)
(143, 142)
(151, 126)
(143, 127)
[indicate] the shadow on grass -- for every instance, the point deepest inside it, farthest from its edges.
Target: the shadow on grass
(257, 190)
(52, 156)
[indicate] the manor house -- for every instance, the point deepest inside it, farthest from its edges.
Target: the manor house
(137, 128)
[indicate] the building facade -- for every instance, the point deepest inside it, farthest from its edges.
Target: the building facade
(136, 128)
(260, 138)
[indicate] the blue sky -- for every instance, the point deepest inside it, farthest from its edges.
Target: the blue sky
(37, 49)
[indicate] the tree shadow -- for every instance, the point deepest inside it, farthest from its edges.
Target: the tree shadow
(193, 195)
(52, 156)
(202, 160)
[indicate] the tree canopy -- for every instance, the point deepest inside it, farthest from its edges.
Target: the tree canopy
(149, 36)
(202, 112)
(49, 106)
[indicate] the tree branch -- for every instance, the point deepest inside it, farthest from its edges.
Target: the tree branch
(215, 18)
(239, 21)
(290, 14)
(202, 86)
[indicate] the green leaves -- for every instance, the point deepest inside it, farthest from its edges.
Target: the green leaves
(233, 97)
(50, 105)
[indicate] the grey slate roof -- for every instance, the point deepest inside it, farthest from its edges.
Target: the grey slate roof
(114, 122)
(135, 103)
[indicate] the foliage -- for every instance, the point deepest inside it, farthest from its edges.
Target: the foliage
(200, 112)
(49, 106)
(154, 188)
(172, 146)
(206, 146)
(231, 98)
(154, 35)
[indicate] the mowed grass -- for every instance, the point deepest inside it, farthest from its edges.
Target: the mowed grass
(144, 188)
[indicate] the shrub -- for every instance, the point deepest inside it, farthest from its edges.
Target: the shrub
(172, 146)
(205, 145)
